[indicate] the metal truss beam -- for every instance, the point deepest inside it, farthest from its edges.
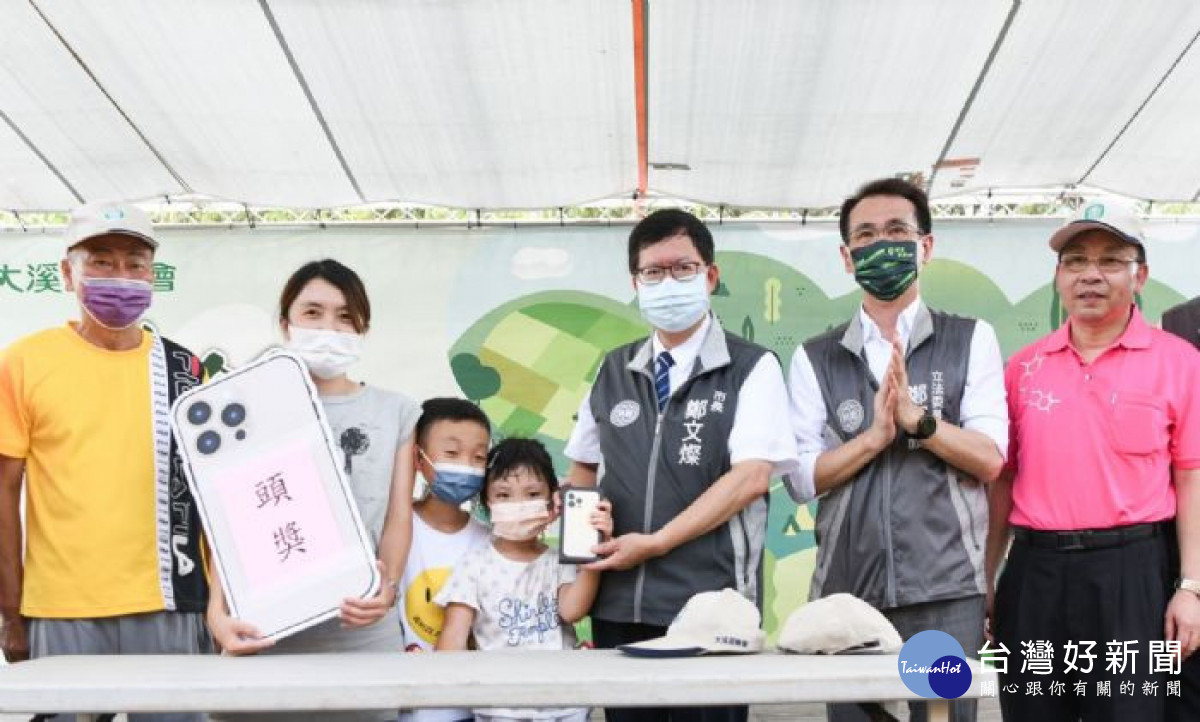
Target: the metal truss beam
(202, 213)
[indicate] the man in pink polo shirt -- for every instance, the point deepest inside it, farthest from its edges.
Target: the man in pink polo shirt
(1104, 457)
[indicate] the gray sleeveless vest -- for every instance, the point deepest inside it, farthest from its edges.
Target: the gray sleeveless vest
(908, 528)
(656, 465)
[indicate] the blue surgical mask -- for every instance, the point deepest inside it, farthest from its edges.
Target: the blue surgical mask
(454, 483)
(674, 306)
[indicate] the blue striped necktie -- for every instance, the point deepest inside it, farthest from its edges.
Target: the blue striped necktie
(662, 378)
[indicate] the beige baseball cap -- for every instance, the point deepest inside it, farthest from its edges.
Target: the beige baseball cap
(1104, 215)
(104, 217)
(839, 624)
(723, 622)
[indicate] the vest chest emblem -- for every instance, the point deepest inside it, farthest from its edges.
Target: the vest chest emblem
(625, 413)
(850, 415)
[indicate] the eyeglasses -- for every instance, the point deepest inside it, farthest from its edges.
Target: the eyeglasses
(897, 231)
(682, 271)
(1078, 263)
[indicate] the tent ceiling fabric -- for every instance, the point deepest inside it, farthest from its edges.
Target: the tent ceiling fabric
(450, 102)
(1069, 76)
(525, 103)
(1159, 155)
(45, 94)
(522, 103)
(794, 104)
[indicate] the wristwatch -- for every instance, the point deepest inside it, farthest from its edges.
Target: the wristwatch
(926, 427)
(1188, 585)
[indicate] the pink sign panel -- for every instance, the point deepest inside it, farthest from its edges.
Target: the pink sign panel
(279, 516)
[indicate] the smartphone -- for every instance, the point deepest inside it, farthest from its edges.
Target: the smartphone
(285, 532)
(576, 535)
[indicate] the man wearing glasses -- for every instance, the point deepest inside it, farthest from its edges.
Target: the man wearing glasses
(900, 420)
(686, 425)
(1105, 452)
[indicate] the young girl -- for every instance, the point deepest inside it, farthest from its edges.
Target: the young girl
(513, 593)
(323, 315)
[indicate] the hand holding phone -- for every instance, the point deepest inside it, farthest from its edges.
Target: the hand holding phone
(577, 534)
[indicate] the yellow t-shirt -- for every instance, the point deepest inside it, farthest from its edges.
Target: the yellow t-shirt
(80, 416)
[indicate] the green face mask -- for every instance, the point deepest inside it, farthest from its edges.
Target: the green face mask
(885, 269)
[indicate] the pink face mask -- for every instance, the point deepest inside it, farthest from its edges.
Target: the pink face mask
(520, 520)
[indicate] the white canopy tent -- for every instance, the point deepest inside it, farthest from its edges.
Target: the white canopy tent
(528, 104)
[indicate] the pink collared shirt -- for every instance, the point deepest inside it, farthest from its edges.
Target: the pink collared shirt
(1093, 444)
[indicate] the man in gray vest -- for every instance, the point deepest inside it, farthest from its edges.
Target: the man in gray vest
(686, 426)
(900, 419)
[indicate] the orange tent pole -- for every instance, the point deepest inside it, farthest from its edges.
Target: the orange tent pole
(639, 89)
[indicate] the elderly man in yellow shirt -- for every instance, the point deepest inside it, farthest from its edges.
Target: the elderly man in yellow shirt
(112, 561)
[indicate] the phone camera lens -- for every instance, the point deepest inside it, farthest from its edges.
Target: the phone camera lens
(199, 412)
(233, 414)
(208, 442)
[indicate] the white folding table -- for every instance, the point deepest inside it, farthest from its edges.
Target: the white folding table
(97, 684)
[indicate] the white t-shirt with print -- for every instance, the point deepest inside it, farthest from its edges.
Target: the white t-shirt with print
(431, 558)
(516, 606)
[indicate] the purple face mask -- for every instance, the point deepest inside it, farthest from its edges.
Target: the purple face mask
(115, 303)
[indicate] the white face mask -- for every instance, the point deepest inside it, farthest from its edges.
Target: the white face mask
(673, 305)
(328, 354)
